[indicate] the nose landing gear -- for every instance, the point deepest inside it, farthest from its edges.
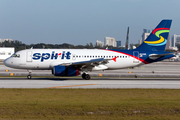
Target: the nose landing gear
(29, 76)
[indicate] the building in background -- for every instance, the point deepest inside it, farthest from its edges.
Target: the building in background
(2, 40)
(146, 33)
(99, 43)
(118, 43)
(140, 41)
(175, 40)
(6, 52)
(110, 42)
(168, 44)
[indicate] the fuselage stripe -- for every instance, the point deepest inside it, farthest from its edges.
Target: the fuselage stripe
(145, 62)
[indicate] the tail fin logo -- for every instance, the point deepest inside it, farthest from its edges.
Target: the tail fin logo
(161, 40)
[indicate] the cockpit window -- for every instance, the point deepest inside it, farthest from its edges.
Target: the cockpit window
(15, 55)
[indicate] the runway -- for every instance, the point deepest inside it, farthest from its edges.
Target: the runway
(157, 75)
(155, 70)
(59, 83)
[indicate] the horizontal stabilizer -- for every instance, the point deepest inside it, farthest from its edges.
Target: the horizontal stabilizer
(155, 56)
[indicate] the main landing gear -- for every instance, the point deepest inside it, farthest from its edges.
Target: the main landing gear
(86, 76)
(29, 76)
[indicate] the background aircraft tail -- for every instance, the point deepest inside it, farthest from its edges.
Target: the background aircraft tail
(157, 40)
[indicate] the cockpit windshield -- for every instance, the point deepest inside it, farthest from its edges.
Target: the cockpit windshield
(15, 55)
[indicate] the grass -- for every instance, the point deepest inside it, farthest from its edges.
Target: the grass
(103, 104)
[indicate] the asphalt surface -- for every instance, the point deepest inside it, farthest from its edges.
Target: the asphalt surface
(156, 75)
(160, 69)
(93, 83)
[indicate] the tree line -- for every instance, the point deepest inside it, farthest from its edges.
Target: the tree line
(18, 45)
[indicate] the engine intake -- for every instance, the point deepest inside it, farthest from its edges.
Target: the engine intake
(65, 71)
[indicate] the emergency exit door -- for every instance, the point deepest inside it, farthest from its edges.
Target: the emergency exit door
(136, 57)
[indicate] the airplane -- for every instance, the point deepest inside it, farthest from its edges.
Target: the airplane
(75, 62)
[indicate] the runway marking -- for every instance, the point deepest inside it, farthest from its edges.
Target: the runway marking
(72, 86)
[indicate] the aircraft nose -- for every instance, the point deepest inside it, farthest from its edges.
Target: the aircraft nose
(6, 62)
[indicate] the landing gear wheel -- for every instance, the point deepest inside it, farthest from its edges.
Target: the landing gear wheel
(83, 75)
(29, 77)
(86, 76)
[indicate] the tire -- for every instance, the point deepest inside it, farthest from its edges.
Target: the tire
(83, 75)
(87, 77)
(29, 77)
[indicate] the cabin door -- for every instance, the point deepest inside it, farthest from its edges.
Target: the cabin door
(29, 56)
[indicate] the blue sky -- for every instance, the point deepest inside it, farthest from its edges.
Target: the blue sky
(83, 21)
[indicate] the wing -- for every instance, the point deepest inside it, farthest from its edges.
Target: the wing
(90, 64)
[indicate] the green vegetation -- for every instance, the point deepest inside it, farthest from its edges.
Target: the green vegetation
(21, 46)
(103, 104)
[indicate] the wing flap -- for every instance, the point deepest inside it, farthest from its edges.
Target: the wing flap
(88, 62)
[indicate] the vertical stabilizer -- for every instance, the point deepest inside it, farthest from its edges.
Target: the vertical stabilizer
(157, 40)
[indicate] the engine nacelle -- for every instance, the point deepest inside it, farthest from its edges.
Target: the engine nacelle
(65, 71)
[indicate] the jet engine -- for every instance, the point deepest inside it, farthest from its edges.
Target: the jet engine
(65, 71)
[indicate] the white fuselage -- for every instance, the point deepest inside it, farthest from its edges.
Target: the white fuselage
(45, 59)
